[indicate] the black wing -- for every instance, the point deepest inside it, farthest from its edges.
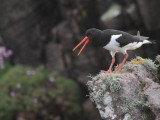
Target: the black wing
(125, 39)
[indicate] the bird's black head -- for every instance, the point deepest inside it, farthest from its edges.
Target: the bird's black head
(93, 36)
(91, 31)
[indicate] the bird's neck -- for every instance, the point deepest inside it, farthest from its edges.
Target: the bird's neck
(100, 39)
(96, 38)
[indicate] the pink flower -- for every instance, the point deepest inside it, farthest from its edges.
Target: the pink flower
(35, 100)
(29, 72)
(33, 72)
(8, 53)
(4, 54)
(51, 79)
(12, 93)
(18, 85)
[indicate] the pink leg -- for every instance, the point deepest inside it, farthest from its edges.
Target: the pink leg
(110, 68)
(121, 65)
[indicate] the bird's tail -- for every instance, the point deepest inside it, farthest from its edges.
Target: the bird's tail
(145, 39)
(142, 37)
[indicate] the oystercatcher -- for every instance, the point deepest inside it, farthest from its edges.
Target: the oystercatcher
(114, 41)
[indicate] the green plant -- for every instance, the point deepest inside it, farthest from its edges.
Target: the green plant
(29, 89)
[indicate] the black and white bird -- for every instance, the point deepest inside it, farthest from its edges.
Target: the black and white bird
(114, 41)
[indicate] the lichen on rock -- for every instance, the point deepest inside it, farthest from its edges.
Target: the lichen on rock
(127, 95)
(158, 58)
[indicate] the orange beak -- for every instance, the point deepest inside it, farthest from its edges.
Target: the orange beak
(86, 40)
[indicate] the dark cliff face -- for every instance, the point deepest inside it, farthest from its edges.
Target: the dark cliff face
(26, 25)
(46, 31)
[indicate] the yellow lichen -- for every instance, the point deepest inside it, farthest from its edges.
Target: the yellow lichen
(116, 72)
(114, 76)
(138, 62)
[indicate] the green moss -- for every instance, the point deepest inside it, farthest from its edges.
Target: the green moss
(139, 102)
(125, 108)
(151, 66)
(144, 117)
(71, 90)
(3, 71)
(98, 85)
(113, 82)
(158, 58)
(16, 99)
(147, 63)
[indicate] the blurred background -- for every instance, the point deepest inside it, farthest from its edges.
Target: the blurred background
(40, 77)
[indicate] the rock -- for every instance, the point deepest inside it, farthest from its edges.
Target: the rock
(149, 12)
(152, 92)
(103, 5)
(88, 108)
(88, 15)
(54, 53)
(120, 17)
(112, 18)
(133, 93)
(24, 26)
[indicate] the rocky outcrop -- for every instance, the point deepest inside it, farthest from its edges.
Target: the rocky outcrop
(25, 25)
(133, 93)
(149, 12)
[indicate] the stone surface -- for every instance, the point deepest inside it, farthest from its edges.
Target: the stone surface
(54, 53)
(133, 93)
(149, 11)
(24, 26)
(88, 108)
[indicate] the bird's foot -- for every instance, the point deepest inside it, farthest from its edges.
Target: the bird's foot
(118, 69)
(107, 72)
(121, 65)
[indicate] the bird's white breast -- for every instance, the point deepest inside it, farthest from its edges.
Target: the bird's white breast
(113, 45)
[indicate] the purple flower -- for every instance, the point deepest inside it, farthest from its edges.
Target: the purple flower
(29, 72)
(51, 79)
(2, 49)
(33, 72)
(35, 100)
(12, 93)
(4, 54)
(19, 85)
(8, 53)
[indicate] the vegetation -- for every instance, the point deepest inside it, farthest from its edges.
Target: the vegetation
(25, 89)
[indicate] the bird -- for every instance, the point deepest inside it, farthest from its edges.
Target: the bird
(115, 41)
